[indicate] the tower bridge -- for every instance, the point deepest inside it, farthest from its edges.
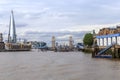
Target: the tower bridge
(62, 47)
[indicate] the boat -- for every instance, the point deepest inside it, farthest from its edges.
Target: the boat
(17, 47)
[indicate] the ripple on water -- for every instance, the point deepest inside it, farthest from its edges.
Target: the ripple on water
(56, 66)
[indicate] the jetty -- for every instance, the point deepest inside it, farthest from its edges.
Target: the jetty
(107, 43)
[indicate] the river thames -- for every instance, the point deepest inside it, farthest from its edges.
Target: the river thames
(36, 65)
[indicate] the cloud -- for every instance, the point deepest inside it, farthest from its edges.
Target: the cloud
(61, 36)
(21, 25)
(64, 37)
(60, 18)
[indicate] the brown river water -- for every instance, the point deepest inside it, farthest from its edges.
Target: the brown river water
(36, 65)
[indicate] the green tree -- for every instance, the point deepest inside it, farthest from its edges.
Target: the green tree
(88, 39)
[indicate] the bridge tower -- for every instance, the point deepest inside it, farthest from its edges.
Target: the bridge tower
(70, 43)
(53, 42)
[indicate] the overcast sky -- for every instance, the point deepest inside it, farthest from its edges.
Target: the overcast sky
(33, 18)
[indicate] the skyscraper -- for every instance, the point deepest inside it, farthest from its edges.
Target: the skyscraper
(12, 30)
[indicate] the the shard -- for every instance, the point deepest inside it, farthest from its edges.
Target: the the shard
(12, 30)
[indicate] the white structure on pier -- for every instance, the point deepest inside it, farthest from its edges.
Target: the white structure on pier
(108, 36)
(106, 40)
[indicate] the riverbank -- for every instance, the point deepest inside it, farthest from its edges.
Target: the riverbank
(88, 50)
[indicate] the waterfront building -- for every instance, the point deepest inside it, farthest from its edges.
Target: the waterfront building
(2, 45)
(39, 45)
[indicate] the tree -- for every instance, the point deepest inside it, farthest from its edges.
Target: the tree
(88, 39)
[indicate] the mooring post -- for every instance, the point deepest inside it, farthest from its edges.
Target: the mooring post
(114, 51)
(93, 52)
(118, 52)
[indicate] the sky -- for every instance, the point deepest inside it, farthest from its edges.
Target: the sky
(39, 20)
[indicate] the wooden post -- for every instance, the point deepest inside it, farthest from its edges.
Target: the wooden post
(114, 53)
(117, 55)
(95, 50)
(118, 52)
(93, 53)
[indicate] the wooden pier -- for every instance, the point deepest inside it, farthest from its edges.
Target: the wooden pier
(113, 51)
(108, 41)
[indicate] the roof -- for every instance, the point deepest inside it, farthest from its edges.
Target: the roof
(108, 36)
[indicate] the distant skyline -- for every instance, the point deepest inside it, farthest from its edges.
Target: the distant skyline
(66, 17)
